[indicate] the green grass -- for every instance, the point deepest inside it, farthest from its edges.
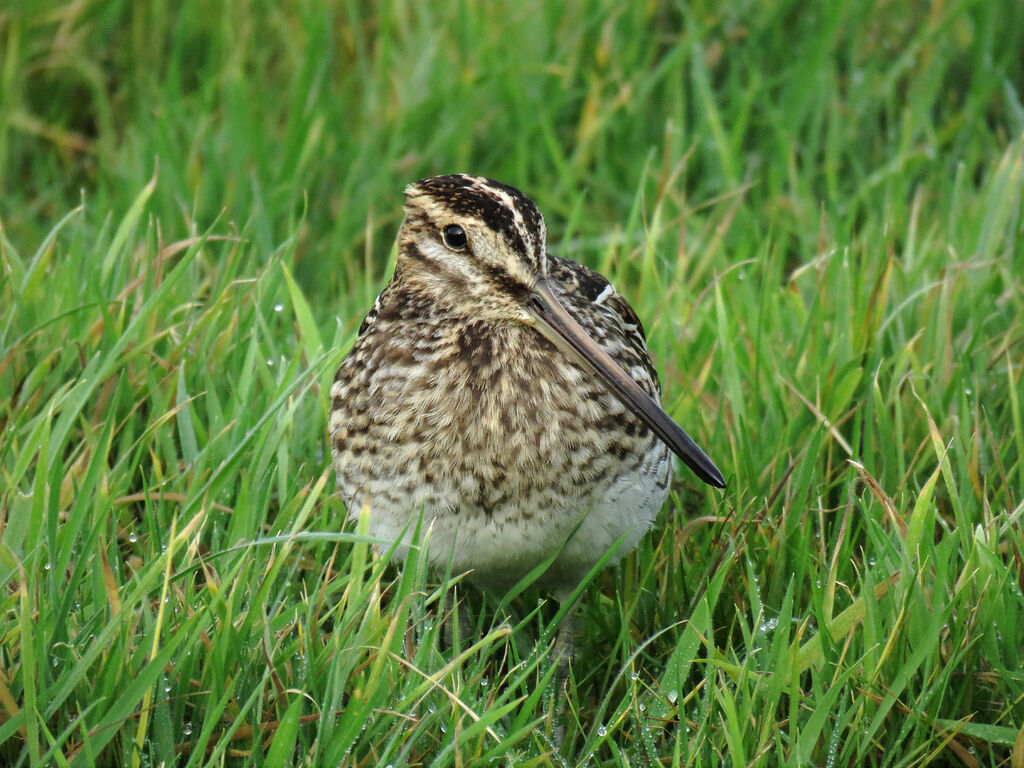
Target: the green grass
(817, 212)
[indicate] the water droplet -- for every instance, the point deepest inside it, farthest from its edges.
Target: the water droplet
(132, 537)
(602, 731)
(187, 728)
(769, 625)
(270, 363)
(47, 566)
(278, 307)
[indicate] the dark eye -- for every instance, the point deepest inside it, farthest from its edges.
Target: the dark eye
(454, 237)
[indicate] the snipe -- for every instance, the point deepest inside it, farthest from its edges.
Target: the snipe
(505, 392)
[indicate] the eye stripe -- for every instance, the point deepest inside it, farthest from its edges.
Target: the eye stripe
(501, 280)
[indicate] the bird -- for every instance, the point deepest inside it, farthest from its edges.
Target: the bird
(506, 395)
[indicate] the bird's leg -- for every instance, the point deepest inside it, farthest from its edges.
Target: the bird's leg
(459, 619)
(562, 653)
(563, 649)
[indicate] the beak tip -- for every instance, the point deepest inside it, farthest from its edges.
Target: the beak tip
(705, 469)
(714, 477)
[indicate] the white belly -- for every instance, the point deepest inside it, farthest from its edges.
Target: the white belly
(501, 547)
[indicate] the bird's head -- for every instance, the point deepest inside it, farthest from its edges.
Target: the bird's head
(472, 243)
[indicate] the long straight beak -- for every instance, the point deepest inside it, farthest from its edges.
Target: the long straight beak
(559, 327)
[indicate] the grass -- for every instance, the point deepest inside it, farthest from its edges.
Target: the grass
(817, 213)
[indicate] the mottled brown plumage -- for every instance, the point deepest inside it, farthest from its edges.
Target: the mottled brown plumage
(474, 393)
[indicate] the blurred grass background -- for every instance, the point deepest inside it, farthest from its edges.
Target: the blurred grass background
(816, 210)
